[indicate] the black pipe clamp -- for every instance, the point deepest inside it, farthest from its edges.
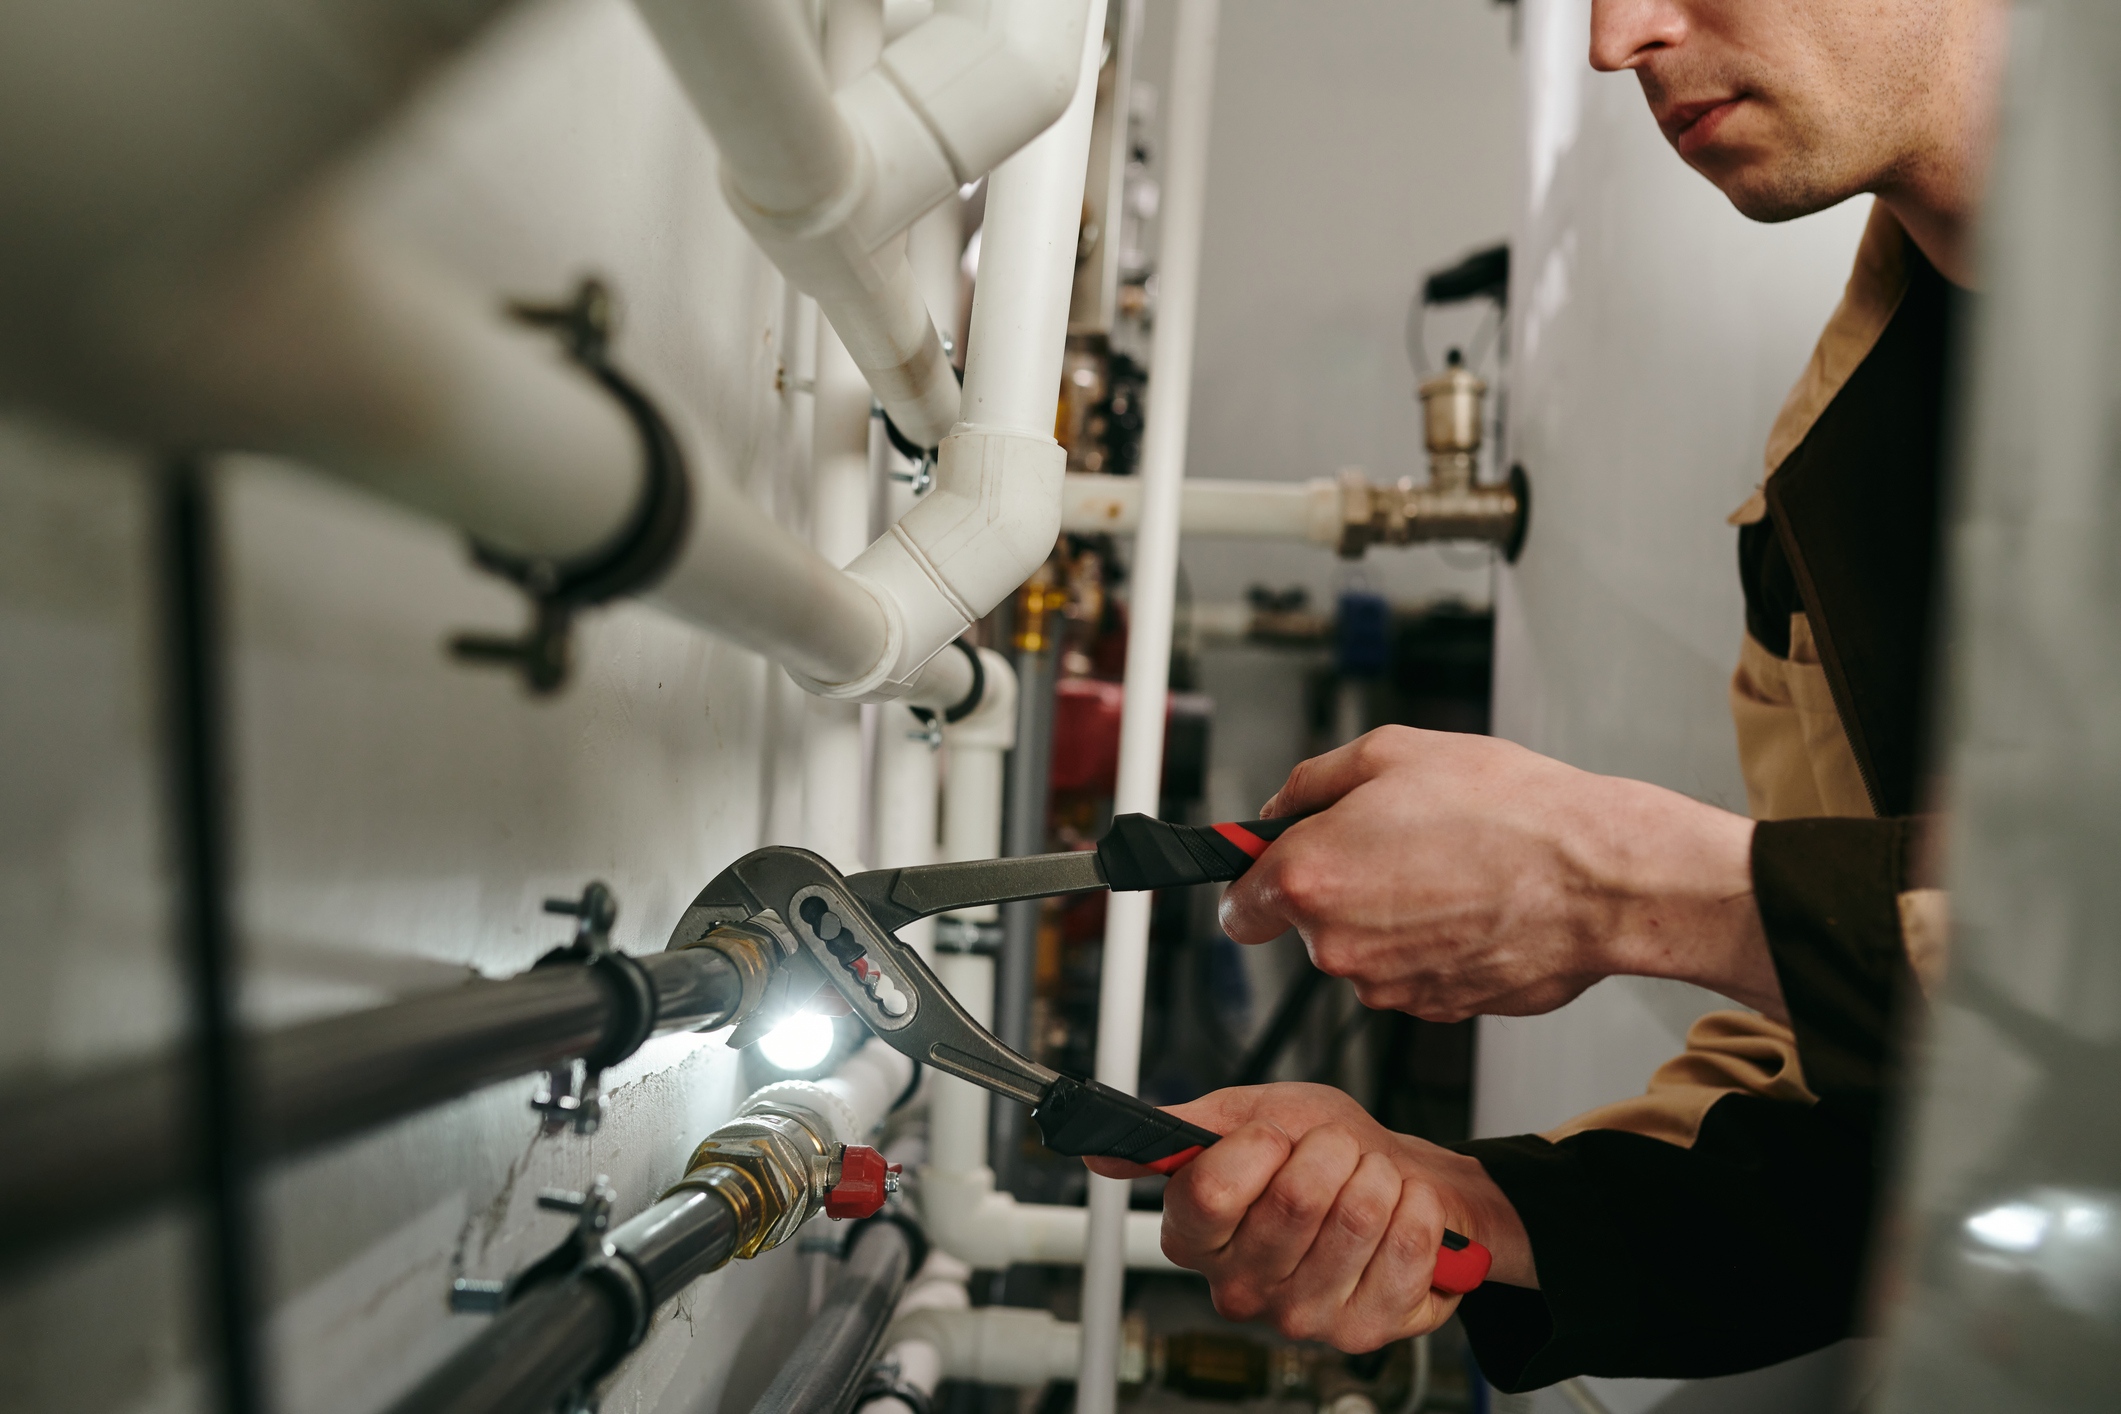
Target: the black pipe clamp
(634, 558)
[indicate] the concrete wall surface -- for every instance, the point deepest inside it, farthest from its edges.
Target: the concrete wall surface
(1655, 333)
(400, 817)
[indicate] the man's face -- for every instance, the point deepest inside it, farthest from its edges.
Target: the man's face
(1788, 106)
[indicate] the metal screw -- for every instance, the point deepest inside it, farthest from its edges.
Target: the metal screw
(478, 1298)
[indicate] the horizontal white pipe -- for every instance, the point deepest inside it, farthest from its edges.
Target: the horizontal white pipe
(965, 1215)
(134, 136)
(869, 1083)
(319, 340)
(994, 1345)
(1263, 510)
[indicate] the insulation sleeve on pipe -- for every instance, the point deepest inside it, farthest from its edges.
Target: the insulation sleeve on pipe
(84, 1155)
(828, 1365)
(558, 1338)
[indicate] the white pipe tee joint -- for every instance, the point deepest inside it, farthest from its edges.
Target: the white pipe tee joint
(989, 521)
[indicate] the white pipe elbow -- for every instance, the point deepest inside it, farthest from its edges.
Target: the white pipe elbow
(990, 520)
(967, 1217)
(982, 78)
(994, 1345)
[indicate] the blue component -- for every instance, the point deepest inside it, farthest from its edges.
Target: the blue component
(1362, 635)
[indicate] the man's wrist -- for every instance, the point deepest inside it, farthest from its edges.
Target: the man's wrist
(1490, 1218)
(1680, 901)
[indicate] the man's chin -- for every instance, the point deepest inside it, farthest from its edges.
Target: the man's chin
(1763, 193)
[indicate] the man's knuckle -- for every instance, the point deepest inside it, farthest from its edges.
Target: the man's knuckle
(1294, 1205)
(1235, 1300)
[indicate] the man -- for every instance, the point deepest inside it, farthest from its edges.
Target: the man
(1720, 1221)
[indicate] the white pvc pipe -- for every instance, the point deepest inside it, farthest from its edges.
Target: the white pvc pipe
(870, 1082)
(903, 810)
(972, 829)
(993, 514)
(938, 1287)
(827, 182)
(963, 1212)
(1153, 580)
(317, 338)
(994, 1345)
(965, 1215)
(1308, 511)
(834, 775)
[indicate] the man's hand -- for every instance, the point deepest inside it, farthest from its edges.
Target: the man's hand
(1454, 875)
(1313, 1216)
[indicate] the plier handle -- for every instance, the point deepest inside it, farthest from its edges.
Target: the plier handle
(844, 927)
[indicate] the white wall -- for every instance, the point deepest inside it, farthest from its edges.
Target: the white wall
(1357, 145)
(1656, 332)
(401, 817)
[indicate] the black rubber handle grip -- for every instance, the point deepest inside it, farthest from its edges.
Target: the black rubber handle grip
(1083, 1117)
(1141, 852)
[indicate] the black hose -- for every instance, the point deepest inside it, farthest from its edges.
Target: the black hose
(560, 1337)
(84, 1155)
(827, 1367)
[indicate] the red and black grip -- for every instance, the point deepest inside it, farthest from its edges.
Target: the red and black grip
(1079, 1117)
(1142, 852)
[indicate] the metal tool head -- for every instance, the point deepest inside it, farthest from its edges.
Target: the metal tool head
(885, 983)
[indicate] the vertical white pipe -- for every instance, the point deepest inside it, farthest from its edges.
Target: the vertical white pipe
(903, 806)
(906, 784)
(1027, 266)
(1153, 577)
(834, 778)
(972, 829)
(786, 490)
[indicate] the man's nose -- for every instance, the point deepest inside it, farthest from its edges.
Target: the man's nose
(1624, 32)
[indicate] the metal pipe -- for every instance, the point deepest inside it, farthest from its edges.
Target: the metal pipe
(1023, 832)
(749, 1186)
(558, 1339)
(827, 1366)
(1141, 741)
(84, 1155)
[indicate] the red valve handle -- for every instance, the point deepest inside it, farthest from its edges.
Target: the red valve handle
(865, 1181)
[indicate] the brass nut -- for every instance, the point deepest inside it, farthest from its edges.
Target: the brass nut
(771, 1166)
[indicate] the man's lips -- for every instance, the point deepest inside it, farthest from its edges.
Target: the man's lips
(1690, 126)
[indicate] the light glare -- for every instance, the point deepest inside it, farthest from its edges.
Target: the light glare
(798, 1043)
(2012, 1227)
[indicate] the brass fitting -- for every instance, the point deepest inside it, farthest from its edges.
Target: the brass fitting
(773, 1166)
(1451, 506)
(760, 949)
(1408, 514)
